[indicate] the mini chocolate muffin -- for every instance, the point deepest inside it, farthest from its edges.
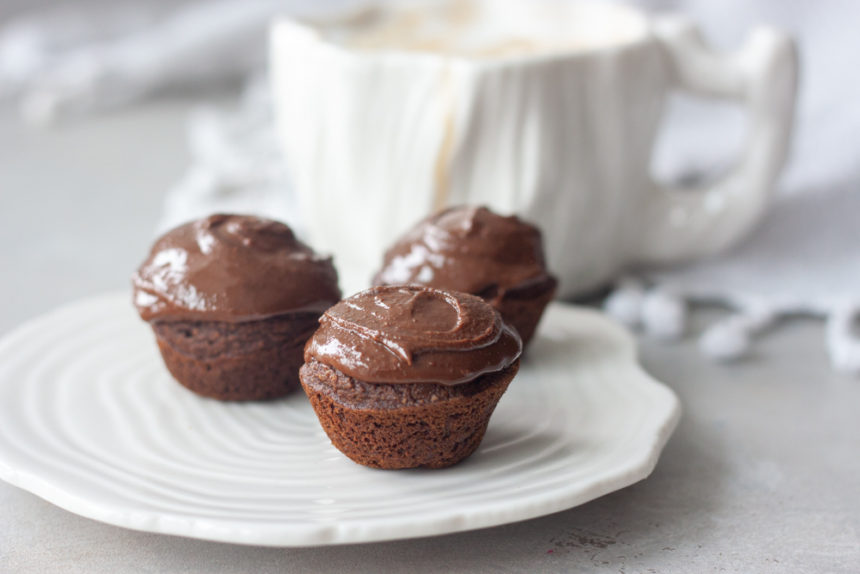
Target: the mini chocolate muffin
(473, 250)
(232, 300)
(407, 376)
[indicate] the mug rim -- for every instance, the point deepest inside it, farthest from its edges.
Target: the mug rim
(311, 30)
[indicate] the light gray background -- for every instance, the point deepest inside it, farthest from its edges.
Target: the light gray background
(762, 475)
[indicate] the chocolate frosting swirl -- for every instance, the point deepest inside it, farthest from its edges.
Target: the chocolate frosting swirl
(413, 334)
(232, 268)
(469, 249)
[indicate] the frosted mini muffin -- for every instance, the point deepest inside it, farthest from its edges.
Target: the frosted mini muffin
(473, 250)
(232, 300)
(408, 376)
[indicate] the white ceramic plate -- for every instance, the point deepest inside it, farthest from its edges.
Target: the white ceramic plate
(91, 421)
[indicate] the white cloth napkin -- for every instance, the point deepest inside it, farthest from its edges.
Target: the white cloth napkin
(804, 258)
(236, 164)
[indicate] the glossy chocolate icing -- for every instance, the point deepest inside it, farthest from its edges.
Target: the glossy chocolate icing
(232, 268)
(413, 334)
(469, 249)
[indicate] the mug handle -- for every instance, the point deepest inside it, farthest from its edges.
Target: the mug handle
(688, 223)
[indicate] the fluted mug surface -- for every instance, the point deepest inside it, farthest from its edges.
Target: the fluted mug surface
(549, 110)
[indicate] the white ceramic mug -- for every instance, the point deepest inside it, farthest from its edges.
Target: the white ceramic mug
(544, 109)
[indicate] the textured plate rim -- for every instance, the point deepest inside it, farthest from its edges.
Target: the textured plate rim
(254, 533)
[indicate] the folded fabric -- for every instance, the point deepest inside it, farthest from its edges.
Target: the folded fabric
(803, 259)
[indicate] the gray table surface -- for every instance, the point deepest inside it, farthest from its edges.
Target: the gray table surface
(762, 474)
